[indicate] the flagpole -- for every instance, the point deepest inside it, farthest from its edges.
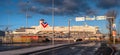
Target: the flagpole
(53, 21)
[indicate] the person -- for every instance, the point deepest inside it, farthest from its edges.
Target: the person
(104, 49)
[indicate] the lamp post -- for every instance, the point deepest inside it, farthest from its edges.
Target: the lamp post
(53, 22)
(26, 20)
(69, 30)
(27, 3)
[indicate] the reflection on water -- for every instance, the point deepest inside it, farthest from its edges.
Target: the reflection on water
(4, 47)
(15, 44)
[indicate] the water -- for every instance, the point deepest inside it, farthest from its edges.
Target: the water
(5, 47)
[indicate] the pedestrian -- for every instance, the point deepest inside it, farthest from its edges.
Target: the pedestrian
(104, 49)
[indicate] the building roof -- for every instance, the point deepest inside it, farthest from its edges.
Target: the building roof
(23, 29)
(29, 28)
(20, 30)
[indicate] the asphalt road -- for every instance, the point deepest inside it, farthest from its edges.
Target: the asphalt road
(83, 48)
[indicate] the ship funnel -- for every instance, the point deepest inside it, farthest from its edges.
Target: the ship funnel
(41, 21)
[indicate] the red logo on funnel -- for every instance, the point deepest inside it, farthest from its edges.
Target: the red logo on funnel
(44, 24)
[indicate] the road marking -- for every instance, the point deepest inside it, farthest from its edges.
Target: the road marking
(112, 50)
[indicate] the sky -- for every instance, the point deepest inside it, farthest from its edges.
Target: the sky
(13, 12)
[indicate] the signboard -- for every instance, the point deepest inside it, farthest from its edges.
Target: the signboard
(80, 18)
(114, 29)
(91, 18)
(101, 17)
(113, 25)
(113, 33)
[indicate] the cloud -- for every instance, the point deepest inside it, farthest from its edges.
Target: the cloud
(106, 4)
(70, 7)
(62, 7)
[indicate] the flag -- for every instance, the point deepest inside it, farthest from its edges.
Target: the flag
(101, 18)
(44, 24)
(80, 18)
(90, 18)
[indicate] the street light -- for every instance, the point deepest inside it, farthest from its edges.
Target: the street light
(27, 3)
(69, 30)
(53, 21)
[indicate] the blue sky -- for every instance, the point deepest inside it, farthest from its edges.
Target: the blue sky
(12, 12)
